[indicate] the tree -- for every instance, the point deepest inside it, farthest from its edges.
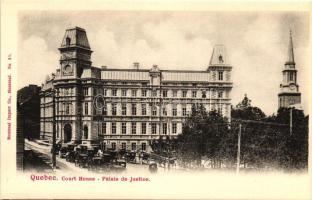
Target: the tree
(293, 151)
(203, 134)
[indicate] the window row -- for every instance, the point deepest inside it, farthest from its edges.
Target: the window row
(157, 93)
(134, 109)
(132, 128)
(123, 145)
(144, 110)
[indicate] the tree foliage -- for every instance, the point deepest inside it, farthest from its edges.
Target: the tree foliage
(266, 142)
(203, 134)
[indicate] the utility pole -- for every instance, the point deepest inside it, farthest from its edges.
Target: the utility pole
(238, 147)
(54, 132)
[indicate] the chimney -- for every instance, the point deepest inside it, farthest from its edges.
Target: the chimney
(136, 65)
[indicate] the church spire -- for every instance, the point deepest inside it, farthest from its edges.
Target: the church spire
(291, 59)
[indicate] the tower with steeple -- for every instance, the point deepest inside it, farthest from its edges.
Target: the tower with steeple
(289, 89)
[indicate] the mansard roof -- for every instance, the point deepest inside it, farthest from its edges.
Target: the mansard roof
(219, 56)
(75, 37)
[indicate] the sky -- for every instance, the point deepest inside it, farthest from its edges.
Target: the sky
(256, 44)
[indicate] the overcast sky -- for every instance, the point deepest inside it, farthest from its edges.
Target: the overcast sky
(256, 43)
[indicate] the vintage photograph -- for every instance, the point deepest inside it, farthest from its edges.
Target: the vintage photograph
(163, 90)
(138, 96)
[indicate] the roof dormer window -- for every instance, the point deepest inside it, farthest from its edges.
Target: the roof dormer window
(67, 41)
(221, 59)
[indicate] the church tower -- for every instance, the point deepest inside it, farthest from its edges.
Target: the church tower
(289, 89)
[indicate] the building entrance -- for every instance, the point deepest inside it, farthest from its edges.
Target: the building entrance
(67, 133)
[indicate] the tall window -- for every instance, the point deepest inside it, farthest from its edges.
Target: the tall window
(114, 109)
(103, 146)
(164, 111)
(67, 108)
(134, 93)
(133, 146)
(143, 109)
(104, 92)
(113, 127)
(133, 109)
(220, 94)
(124, 109)
(114, 93)
(113, 145)
(124, 93)
(103, 128)
(154, 93)
(194, 93)
(174, 110)
(165, 93)
(184, 111)
(85, 91)
(220, 77)
(291, 77)
(174, 127)
(123, 145)
(203, 94)
(86, 108)
(154, 128)
(154, 111)
(184, 93)
(164, 128)
(143, 128)
(174, 93)
(124, 128)
(104, 110)
(133, 127)
(143, 146)
(67, 41)
(144, 93)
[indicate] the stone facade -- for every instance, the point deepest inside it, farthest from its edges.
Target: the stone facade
(139, 104)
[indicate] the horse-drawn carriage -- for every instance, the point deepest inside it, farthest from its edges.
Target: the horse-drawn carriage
(83, 155)
(108, 160)
(65, 149)
(130, 156)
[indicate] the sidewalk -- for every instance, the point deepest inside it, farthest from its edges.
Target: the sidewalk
(46, 150)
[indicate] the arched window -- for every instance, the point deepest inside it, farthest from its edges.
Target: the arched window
(67, 41)
(221, 59)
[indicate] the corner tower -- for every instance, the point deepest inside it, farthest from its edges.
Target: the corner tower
(220, 78)
(289, 89)
(75, 53)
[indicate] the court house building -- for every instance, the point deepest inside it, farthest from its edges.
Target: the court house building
(138, 104)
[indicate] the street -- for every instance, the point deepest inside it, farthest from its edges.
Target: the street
(41, 162)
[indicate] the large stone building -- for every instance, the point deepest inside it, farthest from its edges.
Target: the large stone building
(139, 104)
(289, 89)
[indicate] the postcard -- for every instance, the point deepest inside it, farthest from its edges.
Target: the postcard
(154, 100)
